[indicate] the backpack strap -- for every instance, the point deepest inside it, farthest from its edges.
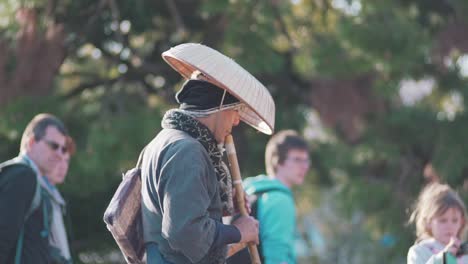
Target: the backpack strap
(44, 233)
(259, 194)
(138, 164)
(46, 211)
(19, 246)
(140, 159)
(254, 210)
(21, 161)
(36, 201)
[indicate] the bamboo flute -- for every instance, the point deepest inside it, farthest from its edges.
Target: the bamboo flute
(237, 181)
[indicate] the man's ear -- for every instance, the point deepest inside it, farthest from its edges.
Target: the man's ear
(30, 143)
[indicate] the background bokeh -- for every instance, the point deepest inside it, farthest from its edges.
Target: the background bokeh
(377, 87)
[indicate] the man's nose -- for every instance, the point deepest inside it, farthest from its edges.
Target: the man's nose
(236, 119)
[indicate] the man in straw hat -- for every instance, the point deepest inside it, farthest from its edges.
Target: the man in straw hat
(186, 187)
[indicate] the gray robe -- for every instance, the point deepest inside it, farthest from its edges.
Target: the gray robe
(180, 199)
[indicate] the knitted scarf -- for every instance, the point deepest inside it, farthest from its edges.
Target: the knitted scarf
(175, 119)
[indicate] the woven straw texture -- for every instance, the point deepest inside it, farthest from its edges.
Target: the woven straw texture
(227, 74)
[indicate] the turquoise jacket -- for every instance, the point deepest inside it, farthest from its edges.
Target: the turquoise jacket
(276, 214)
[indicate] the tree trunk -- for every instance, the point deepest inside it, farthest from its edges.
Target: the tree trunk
(29, 67)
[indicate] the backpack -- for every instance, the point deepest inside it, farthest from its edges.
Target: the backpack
(123, 216)
(243, 256)
(35, 203)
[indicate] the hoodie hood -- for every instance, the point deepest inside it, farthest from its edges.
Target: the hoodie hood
(263, 183)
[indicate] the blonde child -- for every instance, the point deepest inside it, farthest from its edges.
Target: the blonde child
(441, 219)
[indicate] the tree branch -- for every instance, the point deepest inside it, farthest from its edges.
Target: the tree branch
(282, 25)
(176, 15)
(84, 86)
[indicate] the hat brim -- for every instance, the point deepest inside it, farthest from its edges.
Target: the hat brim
(226, 74)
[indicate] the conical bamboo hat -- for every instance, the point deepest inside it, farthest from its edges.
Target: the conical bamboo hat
(227, 74)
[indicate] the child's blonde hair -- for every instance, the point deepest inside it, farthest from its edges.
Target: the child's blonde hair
(434, 200)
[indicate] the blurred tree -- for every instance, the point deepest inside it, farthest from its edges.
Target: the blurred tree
(387, 79)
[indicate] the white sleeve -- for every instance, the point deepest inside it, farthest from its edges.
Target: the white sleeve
(419, 254)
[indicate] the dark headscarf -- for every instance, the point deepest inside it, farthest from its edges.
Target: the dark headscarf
(201, 95)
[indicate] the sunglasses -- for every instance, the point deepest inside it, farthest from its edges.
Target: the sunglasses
(54, 146)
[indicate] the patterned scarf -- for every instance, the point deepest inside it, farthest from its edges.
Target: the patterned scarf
(175, 119)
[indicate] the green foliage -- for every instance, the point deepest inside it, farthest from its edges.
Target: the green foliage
(113, 88)
(109, 146)
(16, 116)
(448, 154)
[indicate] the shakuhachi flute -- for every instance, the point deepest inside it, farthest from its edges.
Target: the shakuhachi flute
(237, 181)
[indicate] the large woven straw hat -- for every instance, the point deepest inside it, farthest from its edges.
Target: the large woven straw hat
(227, 74)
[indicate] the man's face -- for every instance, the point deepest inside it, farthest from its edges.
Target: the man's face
(224, 122)
(294, 168)
(48, 151)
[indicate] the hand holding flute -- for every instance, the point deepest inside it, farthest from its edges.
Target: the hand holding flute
(248, 228)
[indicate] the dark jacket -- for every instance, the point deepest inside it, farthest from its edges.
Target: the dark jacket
(17, 188)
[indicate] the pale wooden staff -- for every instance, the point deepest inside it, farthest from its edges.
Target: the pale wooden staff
(237, 180)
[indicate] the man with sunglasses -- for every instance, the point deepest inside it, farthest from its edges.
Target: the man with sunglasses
(25, 209)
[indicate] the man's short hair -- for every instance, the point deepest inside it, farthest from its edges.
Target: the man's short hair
(278, 147)
(37, 128)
